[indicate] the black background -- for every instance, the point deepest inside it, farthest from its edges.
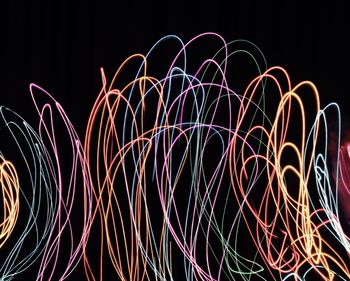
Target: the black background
(62, 45)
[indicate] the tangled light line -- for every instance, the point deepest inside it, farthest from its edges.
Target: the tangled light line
(183, 173)
(10, 196)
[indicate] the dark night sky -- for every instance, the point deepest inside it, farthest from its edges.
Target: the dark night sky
(61, 46)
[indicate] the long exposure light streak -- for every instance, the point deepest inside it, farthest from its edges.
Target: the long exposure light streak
(201, 164)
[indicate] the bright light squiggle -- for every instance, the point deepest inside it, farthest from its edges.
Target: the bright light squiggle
(37, 196)
(10, 198)
(67, 238)
(182, 175)
(255, 159)
(47, 192)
